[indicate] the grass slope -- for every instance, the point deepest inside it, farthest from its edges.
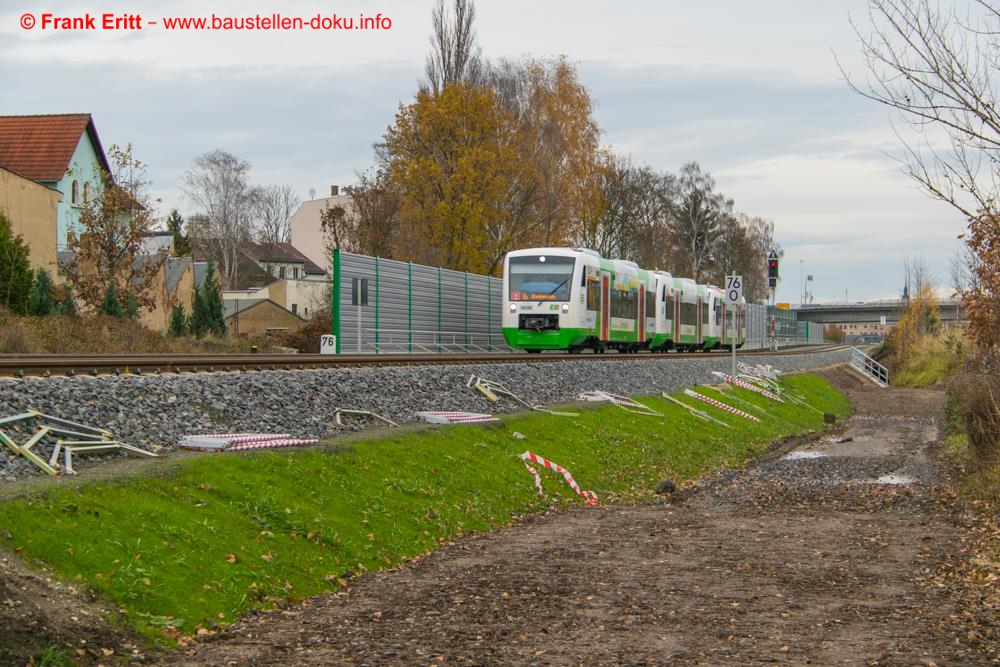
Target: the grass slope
(226, 532)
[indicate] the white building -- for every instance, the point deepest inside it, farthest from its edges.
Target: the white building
(307, 229)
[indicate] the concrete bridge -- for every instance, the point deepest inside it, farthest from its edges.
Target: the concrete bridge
(871, 313)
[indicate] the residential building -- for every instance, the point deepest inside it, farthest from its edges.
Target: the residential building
(306, 223)
(259, 317)
(31, 209)
(60, 151)
(279, 261)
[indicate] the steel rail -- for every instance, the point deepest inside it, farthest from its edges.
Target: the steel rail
(97, 364)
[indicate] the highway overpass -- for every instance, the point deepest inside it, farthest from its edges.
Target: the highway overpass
(870, 313)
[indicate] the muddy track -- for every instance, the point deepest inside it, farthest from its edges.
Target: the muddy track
(817, 557)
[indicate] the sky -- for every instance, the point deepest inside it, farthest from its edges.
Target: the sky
(749, 89)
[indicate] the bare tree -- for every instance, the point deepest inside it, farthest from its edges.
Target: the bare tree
(698, 219)
(937, 68)
(455, 55)
(916, 276)
(274, 206)
(219, 186)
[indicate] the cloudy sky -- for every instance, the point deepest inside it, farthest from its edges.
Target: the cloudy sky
(747, 88)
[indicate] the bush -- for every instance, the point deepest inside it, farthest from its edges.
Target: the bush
(306, 339)
(978, 401)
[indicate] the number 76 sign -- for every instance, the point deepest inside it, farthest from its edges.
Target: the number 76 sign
(734, 289)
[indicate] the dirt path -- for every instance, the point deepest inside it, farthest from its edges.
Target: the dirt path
(814, 558)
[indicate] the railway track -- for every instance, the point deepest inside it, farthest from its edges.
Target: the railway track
(47, 365)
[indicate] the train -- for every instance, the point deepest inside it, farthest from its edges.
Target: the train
(573, 299)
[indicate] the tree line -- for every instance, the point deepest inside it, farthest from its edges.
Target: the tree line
(497, 155)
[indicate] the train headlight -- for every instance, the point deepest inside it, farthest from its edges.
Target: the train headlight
(513, 307)
(565, 307)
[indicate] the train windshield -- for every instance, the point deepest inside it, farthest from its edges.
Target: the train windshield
(540, 278)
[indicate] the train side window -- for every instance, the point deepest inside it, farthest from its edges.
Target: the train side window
(704, 313)
(583, 276)
(650, 304)
(593, 294)
(670, 306)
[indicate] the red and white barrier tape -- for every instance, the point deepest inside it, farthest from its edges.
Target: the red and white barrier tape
(589, 497)
(270, 444)
(623, 402)
(746, 385)
(720, 405)
(456, 417)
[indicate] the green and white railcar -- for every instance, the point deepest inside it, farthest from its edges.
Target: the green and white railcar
(666, 315)
(692, 314)
(570, 299)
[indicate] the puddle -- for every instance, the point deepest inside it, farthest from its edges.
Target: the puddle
(799, 456)
(893, 479)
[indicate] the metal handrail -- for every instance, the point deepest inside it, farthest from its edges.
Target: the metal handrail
(868, 367)
(428, 341)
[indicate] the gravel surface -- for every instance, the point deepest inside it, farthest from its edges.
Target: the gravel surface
(762, 566)
(154, 411)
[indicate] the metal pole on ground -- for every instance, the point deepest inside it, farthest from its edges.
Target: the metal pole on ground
(335, 299)
(439, 309)
(409, 303)
(376, 304)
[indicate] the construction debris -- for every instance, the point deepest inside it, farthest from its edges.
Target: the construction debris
(359, 413)
(235, 442)
(493, 390)
(589, 497)
(743, 384)
(78, 439)
(720, 405)
(623, 402)
(700, 414)
(456, 417)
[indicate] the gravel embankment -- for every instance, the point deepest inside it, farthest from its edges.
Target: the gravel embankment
(154, 411)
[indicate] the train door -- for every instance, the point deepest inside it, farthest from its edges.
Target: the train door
(605, 307)
(642, 314)
(698, 320)
(677, 319)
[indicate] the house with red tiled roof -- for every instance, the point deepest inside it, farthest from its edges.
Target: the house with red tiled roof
(60, 151)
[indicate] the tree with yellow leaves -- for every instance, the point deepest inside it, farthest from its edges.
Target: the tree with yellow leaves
(465, 189)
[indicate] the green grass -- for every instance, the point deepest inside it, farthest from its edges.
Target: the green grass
(931, 359)
(224, 533)
(53, 656)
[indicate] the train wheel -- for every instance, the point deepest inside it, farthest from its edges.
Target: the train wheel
(533, 351)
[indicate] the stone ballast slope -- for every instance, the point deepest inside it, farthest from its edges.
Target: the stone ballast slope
(154, 411)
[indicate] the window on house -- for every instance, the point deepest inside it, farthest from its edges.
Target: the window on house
(86, 193)
(295, 273)
(295, 309)
(73, 196)
(281, 272)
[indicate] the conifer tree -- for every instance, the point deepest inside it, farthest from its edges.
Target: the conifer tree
(67, 306)
(132, 308)
(15, 270)
(212, 294)
(178, 321)
(110, 306)
(42, 302)
(199, 324)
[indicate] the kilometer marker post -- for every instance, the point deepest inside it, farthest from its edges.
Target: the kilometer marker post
(734, 294)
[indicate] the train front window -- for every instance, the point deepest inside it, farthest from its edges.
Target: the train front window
(540, 278)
